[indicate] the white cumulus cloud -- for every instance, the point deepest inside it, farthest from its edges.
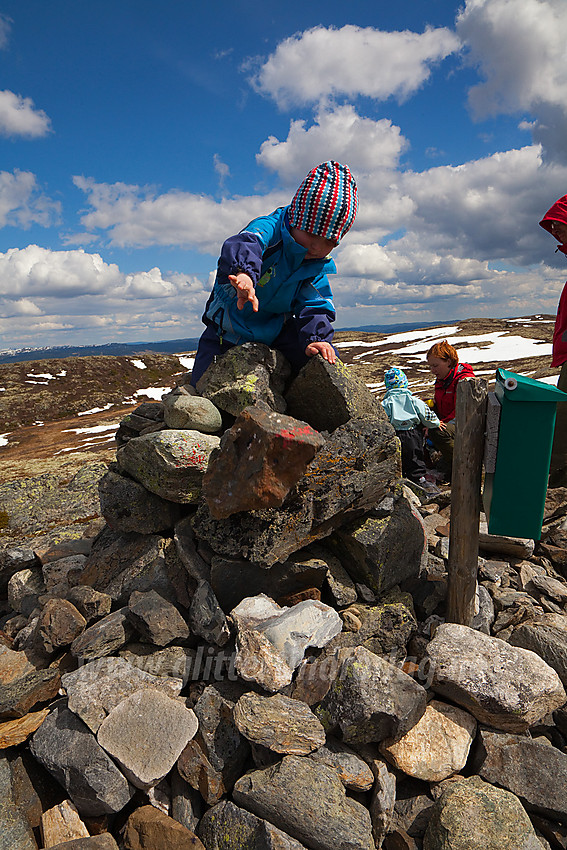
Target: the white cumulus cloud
(19, 117)
(326, 62)
(337, 132)
(22, 202)
(140, 216)
(519, 48)
(34, 271)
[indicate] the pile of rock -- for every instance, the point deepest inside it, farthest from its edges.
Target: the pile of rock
(252, 653)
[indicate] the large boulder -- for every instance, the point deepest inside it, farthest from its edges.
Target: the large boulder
(329, 394)
(503, 686)
(370, 699)
(534, 771)
(169, 463)
(258, 461)
(355, 469)
(382, 552)
(473, 815)
(307, 801)
(247, 374)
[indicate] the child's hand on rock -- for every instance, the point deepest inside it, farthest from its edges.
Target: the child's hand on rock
(245, 291)
(325, 349)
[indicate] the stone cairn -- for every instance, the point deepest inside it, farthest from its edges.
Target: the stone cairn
(252, 652)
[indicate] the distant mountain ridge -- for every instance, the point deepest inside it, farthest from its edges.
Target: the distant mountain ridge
(113, 349)
(170, 346)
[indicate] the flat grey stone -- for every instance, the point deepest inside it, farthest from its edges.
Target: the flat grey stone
(155, 619)
(104, 637)
(146, 734)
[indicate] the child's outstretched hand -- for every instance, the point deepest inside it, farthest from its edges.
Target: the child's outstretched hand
(244, 290)
(325, 349)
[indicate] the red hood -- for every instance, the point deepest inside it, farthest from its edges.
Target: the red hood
(557, 212)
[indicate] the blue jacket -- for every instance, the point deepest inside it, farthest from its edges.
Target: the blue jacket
(286, 286)
(405, 410)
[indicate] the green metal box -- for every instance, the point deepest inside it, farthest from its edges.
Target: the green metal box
(515, 484)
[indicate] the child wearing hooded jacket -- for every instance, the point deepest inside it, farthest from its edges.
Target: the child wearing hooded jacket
(271, 284)
(409, 415)
(443, 361)
(555, 222)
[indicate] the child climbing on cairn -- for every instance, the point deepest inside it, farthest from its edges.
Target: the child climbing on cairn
(409, 415)
(272, 285)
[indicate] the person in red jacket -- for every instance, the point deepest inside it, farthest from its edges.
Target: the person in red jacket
(443, 360)
(555, 222)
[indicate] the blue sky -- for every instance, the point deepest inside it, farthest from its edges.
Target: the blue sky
(136, 136)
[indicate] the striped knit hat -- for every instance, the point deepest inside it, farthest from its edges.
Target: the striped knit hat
(326, 202)
(395, 378)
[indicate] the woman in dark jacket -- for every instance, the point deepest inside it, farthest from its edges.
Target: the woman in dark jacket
(555, 222)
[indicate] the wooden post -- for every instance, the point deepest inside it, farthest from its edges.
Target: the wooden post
(466, 499)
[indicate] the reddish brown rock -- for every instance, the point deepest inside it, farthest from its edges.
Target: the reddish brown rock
(259, 460)
(59, 624)
(293, 598)
(18, 697)
(13, 665)
(148, 829)
(15, 732)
